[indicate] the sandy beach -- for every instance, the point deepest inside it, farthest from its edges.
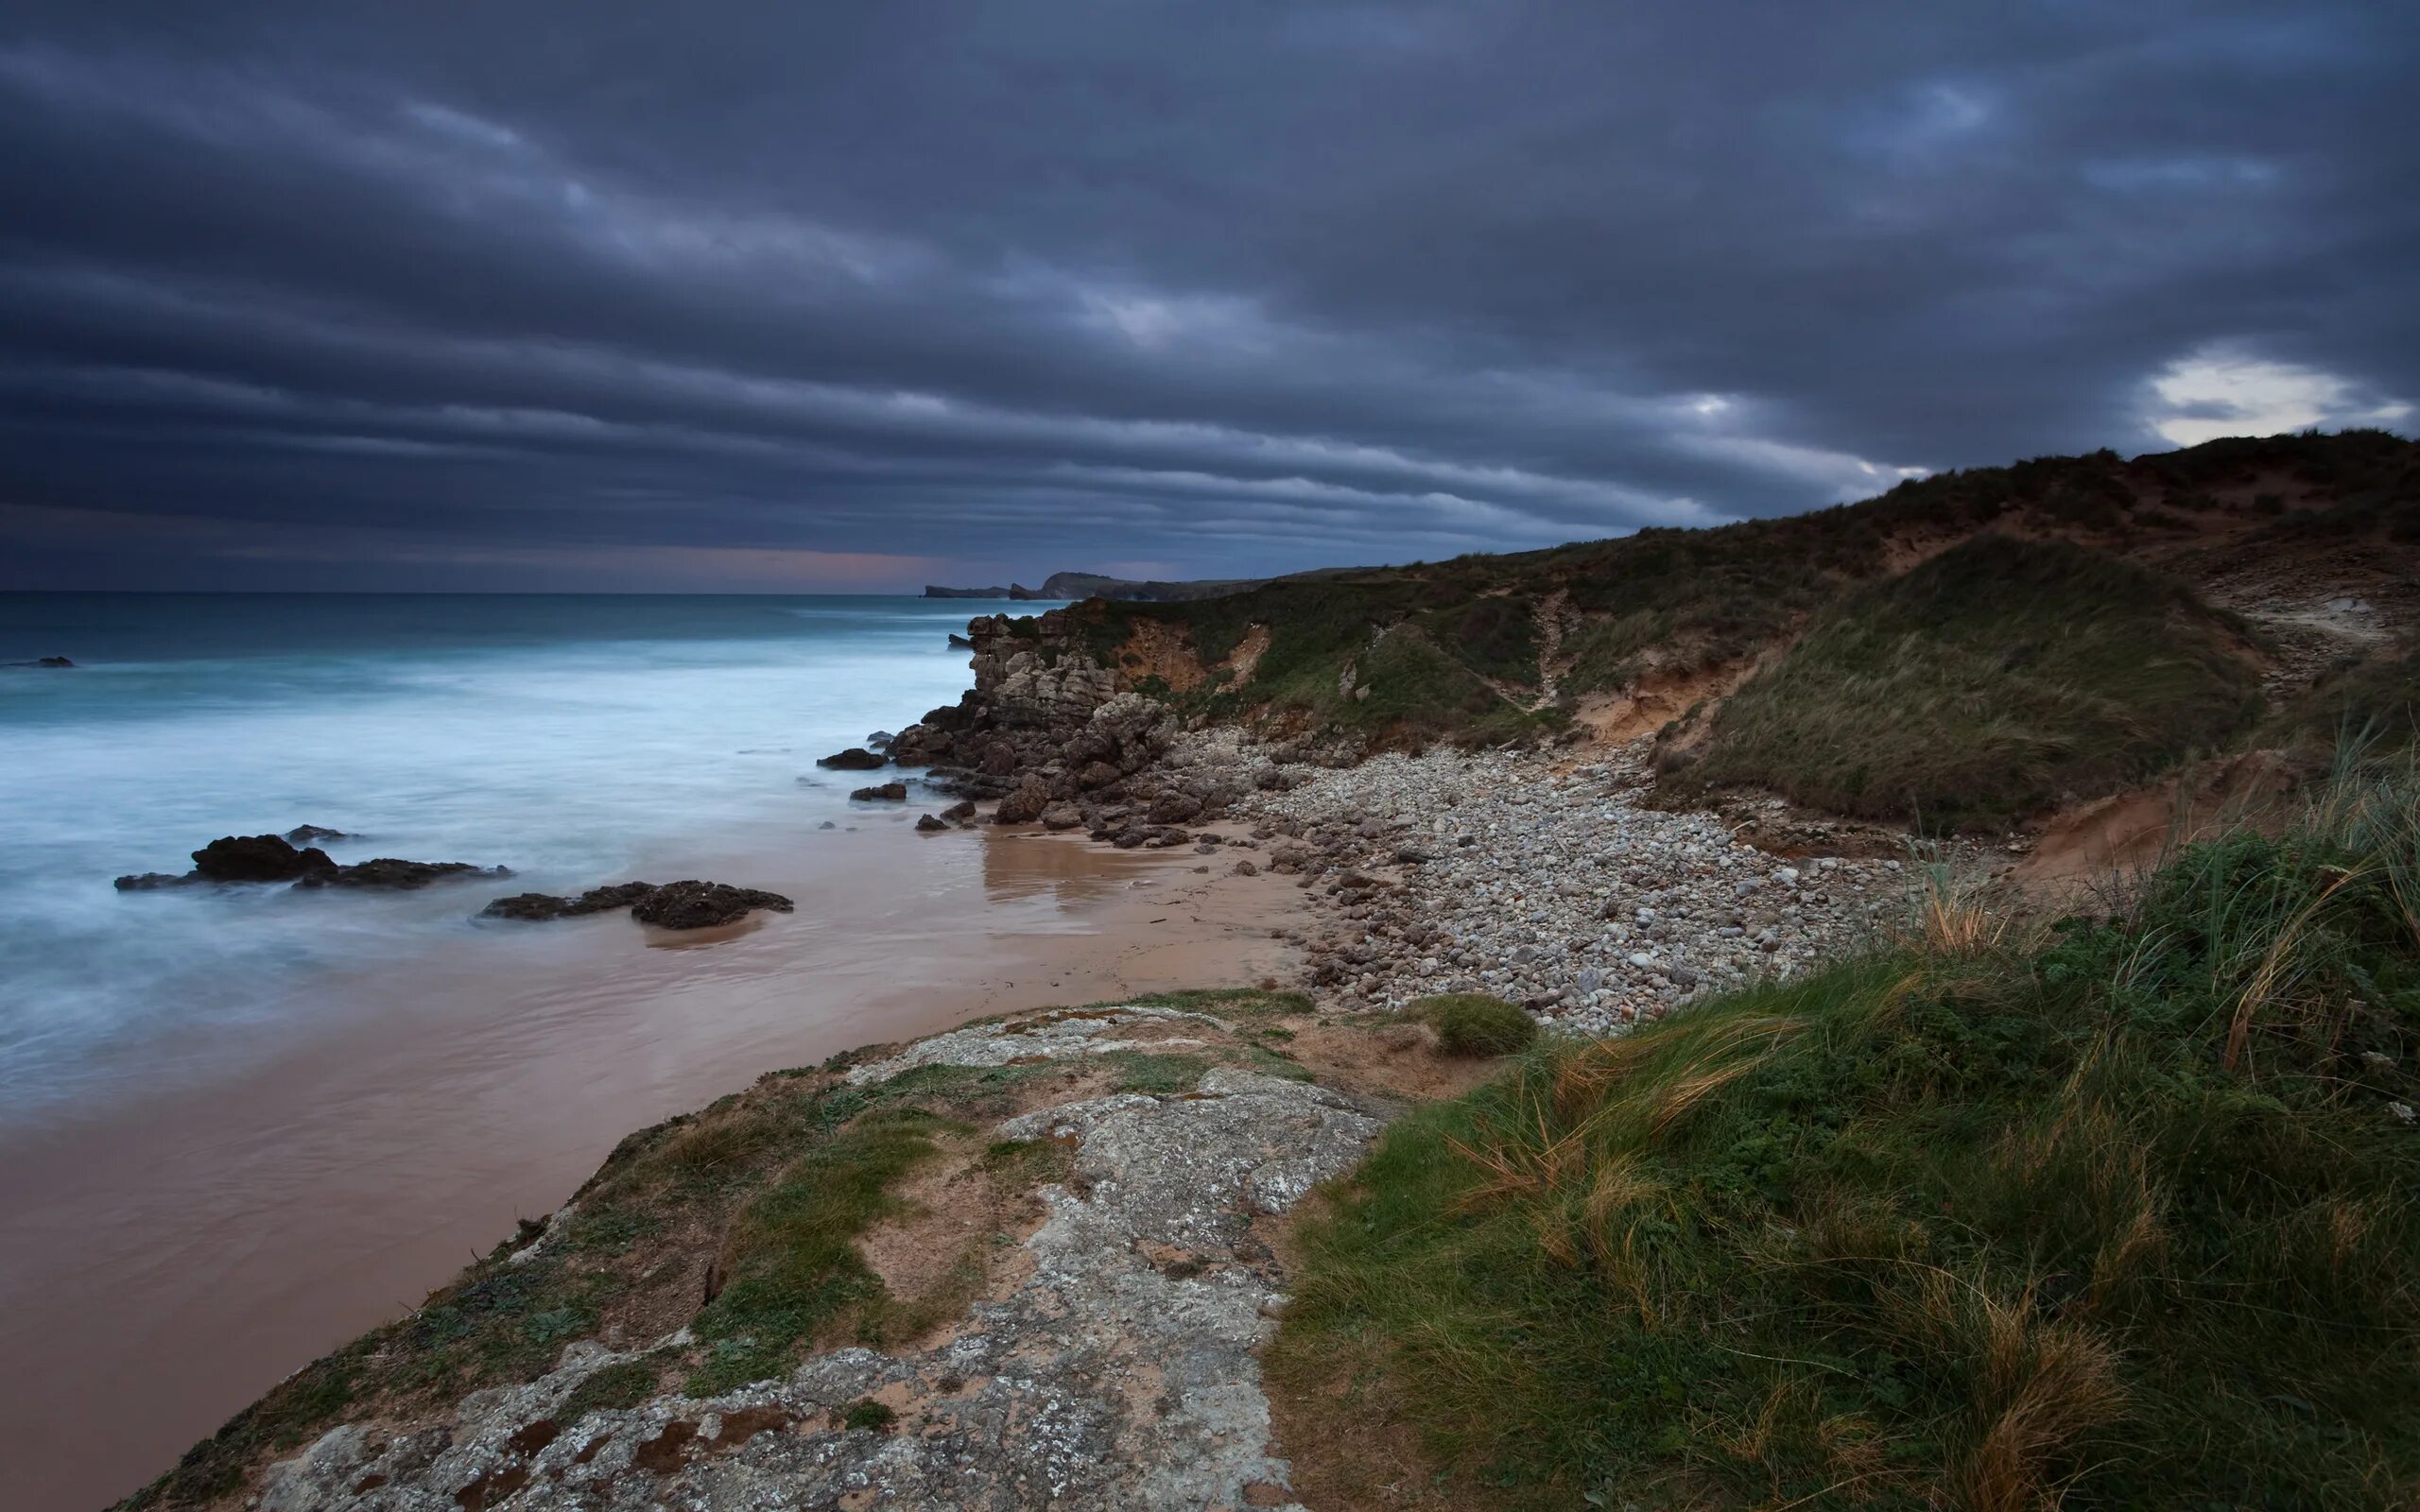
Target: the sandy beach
(167, 1256)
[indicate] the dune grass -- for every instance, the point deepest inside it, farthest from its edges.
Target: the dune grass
(1474, 1023)
(1996, 681)
(2120, 1210)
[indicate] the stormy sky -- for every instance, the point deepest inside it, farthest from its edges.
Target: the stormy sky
(780, 296)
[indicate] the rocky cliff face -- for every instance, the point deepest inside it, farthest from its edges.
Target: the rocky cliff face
(1057, 735)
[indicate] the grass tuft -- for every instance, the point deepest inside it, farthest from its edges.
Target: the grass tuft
(1474, 1023)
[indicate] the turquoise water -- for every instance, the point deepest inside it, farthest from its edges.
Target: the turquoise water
(564, 737)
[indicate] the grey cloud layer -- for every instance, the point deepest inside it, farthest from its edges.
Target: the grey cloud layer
(413, 296)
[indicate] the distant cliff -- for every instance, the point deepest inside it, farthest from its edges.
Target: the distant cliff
(1092, 585)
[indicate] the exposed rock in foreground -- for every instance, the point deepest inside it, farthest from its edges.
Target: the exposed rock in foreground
(265, 858)
(689, 904)
(1113, 1365)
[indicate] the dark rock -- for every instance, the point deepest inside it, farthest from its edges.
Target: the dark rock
(46, 662)
(256, 858)
(879, 739)
(1245, 868)
(1061, 816)
(855, 759)
(927, 823)
(313, 835)
(1174, 808)
(1024, 804)
(887, 793)
(1411, 855)
(539, 905)
(401, 876)
(959, 813)
(154, 881)
(692, 904)
(959, 642)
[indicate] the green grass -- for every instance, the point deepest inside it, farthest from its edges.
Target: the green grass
(2120, 1211)
(1996, 681)
(1474, 1023)
(792, 1255)
(624, 1383)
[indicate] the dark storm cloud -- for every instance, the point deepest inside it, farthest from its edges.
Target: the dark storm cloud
(773, 295)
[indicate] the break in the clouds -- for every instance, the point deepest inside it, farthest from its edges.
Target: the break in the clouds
(769, 296)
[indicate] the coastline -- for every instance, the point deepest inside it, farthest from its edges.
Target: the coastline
(188, 1251)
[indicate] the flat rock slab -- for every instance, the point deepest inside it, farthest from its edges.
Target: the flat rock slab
(1120, 1372)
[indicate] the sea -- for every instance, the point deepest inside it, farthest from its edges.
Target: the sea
(566, 737)
(240, 1124)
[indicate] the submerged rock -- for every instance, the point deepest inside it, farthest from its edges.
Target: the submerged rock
(45, 662)
(887, 793)
(855, 759)
(313, 835)
(689, 904)
(399, 875)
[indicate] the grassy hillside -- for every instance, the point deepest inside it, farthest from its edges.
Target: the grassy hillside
(2080, 691)
(2121, 1212)
(1985, 684)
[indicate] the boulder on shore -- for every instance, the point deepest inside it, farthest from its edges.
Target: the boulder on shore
(928, 824)
(855, 759)
(689, 904)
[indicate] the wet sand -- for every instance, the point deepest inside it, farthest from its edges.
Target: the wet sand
(227, 1216)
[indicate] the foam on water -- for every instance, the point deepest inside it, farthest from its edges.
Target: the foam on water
(569, 738)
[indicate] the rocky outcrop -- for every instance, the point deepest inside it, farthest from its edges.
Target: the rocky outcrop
(690, 904)
(265, 858)
(855, 759)
(1115, 1365)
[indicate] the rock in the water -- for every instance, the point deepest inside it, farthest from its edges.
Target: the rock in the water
(394, 874)
(257, 858)
(959, 642)
(693, 905)
(887, 793)
(254, 858)
(154, 881)
(313, 835)
(45, 662)
(959, 812)
(690, 904)
(855, 759)
(928, 824)
(540, 906)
